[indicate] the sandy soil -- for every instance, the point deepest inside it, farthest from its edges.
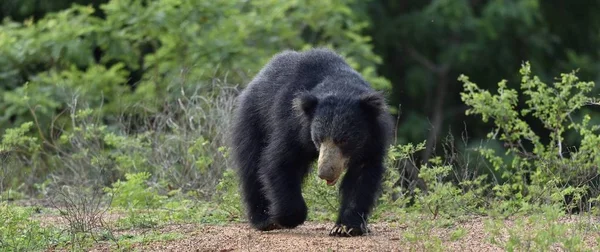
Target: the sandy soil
(313, 236)
(308, 237)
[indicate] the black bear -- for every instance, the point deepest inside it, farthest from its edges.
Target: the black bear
(302, 107)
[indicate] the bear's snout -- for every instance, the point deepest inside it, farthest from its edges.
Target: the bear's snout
(331, 162)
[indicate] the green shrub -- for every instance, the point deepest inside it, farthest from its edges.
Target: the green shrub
(537, 172)
(141, 51)
(392, 200)
(445, 198)
(228, 198)
(18, 159)
(134, 192)
(181, 147)
(19, 232)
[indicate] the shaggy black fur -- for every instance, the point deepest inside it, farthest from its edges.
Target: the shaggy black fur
(296, 101)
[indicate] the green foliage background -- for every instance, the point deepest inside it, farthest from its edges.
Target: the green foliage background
(140, 51)
(131, 60)
(131, 99)
(92, 92)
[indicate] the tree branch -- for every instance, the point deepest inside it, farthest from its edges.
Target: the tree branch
(416, 55)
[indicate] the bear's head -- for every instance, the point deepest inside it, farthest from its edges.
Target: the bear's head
(341, 128)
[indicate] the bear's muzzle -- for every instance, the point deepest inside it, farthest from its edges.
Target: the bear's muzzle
(331, 162)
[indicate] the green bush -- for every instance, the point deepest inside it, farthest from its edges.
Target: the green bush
(19, 232)
(445, 198)
(144, 50)
(536, 172)
(134, 193)
(17, 147)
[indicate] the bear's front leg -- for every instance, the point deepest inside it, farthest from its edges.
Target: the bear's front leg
(288, 208)
(282, 172)
(359, 192)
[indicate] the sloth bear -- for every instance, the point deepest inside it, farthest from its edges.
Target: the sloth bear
(302, 107)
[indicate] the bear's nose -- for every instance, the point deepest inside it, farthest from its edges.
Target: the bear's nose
(326, 173)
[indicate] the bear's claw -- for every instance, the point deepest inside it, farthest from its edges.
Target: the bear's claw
(346, 231)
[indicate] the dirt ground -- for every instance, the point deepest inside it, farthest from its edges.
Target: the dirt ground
(310, 236)
(313, 236)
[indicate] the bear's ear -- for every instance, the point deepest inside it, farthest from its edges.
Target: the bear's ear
(373, 103)
(305, 104)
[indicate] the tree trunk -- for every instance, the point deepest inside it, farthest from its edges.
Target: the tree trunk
(438, 115)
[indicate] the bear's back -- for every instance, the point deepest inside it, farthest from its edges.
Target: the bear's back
(272, 90)
(291, 70)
